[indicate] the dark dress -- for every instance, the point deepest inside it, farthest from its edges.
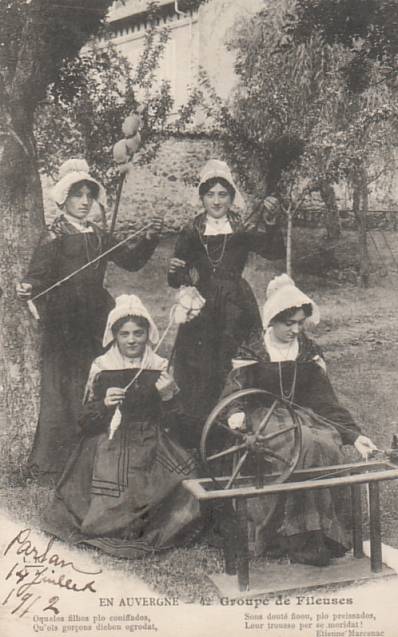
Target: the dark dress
(124, 495)
(205, 346)
(326, 426)
(73, 319)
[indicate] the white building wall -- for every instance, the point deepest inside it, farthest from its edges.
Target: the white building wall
(195, 41)
(179, 61)
(216, 20)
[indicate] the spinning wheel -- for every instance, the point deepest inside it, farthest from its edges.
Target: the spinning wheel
(268, 449)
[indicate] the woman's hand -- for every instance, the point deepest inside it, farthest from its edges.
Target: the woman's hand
(156, 227)
(176, 264)
(320, 362)
(237, 421)
(114, 396)
(365, 446)
(271, 208)
(24, 291)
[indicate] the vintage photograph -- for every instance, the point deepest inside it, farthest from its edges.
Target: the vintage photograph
(198, 298)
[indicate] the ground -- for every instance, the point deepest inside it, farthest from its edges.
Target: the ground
(358, 335)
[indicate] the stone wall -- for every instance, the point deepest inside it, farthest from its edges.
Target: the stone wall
(166, 186)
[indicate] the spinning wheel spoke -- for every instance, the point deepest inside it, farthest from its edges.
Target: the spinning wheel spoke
(226, 452)
(266, 419)
(233, 446)
(281, 432)
(236, 470)
(273, 454)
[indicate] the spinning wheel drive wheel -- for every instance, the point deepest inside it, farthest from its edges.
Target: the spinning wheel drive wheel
(268, 448)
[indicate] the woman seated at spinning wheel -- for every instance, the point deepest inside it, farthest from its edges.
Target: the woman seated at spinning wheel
(308, 526)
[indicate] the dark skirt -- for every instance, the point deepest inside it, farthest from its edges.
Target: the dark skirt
(124, 495)
(63, 378)
(205, 346)
(303, 512)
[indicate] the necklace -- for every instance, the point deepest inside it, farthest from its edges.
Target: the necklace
(216, 262)
(287, 395)
(283, 350)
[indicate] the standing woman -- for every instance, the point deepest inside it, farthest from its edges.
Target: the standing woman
(73, 315)
(211, 253)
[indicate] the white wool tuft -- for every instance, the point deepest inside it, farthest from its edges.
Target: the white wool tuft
(73, 166)
(277, 283)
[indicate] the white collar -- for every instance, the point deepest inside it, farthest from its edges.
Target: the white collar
(278, 351)
(217, 226)
(76, 224)
(113, 360)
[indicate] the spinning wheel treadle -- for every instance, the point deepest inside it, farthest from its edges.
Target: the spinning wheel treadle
(269, 448)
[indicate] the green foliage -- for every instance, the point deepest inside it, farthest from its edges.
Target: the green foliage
(291, 124)
(368, 28)
(190, 5)
(86, 106)
(59, 31)
(281, 96)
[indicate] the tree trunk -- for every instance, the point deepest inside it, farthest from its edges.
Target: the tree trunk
(363, 237)
(289, 269)
(48, 34)
(360, 209)
(332, 219)
(21, 220)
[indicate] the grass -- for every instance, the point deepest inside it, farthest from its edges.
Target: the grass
(358, 333)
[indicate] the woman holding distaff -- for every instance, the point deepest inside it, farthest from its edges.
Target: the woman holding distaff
(73, 314)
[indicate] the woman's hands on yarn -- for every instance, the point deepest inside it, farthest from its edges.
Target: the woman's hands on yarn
(176, 264)
(156, 227)
(114, 396)
(24, 291)
(364, 446)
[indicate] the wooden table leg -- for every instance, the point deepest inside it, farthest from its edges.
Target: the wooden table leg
(375, 527)
(243, 545)
(356, 503)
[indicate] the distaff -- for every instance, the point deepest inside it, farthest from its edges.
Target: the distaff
(123, 153)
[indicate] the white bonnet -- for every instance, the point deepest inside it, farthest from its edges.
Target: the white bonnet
(217, 168)
(282, 294)
(129, 305)
(71, 172)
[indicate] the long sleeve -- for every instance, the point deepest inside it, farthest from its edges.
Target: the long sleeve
(268, 244)
(95, 417)
(134, 258)
(43, 271)
(166, 385)
(323, 401)
(183, 250)
(237, 379)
